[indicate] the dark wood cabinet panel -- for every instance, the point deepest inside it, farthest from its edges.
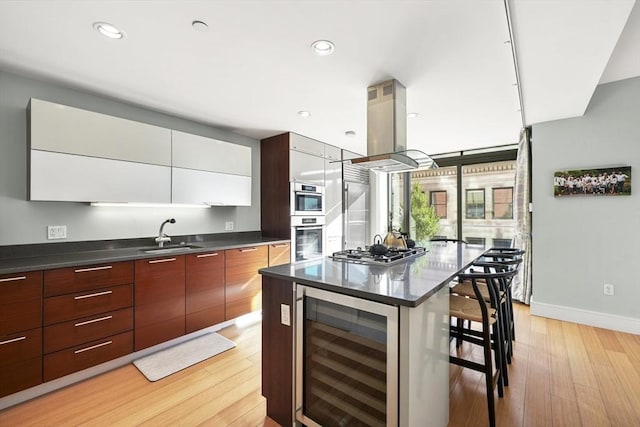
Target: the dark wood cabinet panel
(277, 350)
(86, 355)
(76, 332)
(274, 187)
(76, 279)
(74, 306)
(159, 300)
(279, 253)
(204, 290)
(20, 361)
(243, 283)
(20, 302)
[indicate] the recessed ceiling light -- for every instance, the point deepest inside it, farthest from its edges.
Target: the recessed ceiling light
(108, 30)
(350, 133)
(322, 47)
(304, 113)
(199, 26)
(413, 115)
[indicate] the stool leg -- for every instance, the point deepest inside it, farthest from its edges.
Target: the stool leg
(489, 376)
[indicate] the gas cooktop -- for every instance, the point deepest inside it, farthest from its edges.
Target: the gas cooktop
(363, 256)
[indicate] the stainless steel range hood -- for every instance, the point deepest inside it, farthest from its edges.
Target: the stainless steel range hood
(387, 132)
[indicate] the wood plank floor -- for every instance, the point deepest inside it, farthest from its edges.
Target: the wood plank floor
(563, 374)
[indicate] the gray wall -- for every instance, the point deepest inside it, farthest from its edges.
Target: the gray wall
(581, 243)
(23, 222)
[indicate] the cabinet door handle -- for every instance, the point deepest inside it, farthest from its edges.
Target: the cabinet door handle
(11, 279)
(284, 245)
(12, 340)
(93, 321)
(248, 250)
(97, 294)
(207, 255)
(156, 261)
(84, 270)
(82, 350)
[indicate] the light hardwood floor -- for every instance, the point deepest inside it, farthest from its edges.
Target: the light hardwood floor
(563, 374)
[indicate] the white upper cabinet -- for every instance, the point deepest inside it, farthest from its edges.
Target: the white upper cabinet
(208, 154)
(64, 129)
(81, 156)
(209, 171)
(306, 145)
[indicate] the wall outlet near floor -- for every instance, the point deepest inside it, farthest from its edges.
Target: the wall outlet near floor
(608, 289)
(228, 226)
(56, 232)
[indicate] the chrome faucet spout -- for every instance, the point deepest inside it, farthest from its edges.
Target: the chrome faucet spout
(162, 238)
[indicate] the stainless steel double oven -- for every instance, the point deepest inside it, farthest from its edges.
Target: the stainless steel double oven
(307, 221)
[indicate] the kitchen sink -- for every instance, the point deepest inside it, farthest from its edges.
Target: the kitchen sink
(170, 249)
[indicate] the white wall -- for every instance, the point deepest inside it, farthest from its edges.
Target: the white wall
(23, 222)
(581, 243)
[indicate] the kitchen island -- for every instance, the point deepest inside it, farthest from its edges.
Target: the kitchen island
(370, 342)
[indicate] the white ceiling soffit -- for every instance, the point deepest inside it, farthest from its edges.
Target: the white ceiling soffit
(563, 48)
(625, 60)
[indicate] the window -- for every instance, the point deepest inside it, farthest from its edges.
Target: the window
(439, 203)
(502, 243)
(503, 203)
(477, 241)
(474, 207)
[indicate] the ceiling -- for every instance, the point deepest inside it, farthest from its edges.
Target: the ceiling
(253, 69)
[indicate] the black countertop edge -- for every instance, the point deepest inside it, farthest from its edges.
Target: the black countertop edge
(87, 253)
(358, 293)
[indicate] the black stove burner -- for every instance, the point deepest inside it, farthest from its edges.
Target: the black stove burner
(363, 256)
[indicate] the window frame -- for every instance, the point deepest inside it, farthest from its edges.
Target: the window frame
(493, 203)
(446, 200)
(466, 203)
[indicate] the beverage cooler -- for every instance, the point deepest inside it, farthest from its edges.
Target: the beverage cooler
(346, 360)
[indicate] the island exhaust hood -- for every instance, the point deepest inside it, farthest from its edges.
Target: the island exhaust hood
(387, 132)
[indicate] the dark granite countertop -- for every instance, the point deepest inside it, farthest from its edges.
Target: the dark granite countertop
(407, 283)
(23, 258)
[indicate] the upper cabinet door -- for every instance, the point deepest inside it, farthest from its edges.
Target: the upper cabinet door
(62, 129)
(209, 171)
(306, 145)
(208, 154)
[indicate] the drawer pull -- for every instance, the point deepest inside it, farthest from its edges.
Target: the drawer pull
(284, 245)
(12, 340)
(93, 321)
(82, 350)
(11, 279)
(97, 294)
(84, 270)
(207, 255)
(248, 250)
(156, 261)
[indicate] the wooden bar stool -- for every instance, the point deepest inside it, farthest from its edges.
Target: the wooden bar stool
(490, 334)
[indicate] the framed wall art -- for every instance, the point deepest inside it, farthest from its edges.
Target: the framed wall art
(614, 181)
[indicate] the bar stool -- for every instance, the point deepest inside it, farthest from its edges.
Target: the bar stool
(490, 334)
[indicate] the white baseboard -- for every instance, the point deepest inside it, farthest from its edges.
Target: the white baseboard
(585, 317)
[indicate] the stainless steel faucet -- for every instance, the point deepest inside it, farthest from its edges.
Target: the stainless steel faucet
(161, 236)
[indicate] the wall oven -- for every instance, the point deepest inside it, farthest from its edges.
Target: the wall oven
(307, 235)
(307, 199)
(346, 369)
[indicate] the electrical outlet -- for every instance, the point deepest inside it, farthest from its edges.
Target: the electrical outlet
(228, 226)
(285, 316)
(608, 289)
(56, 232)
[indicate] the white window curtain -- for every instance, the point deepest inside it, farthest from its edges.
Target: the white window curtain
(521, 287)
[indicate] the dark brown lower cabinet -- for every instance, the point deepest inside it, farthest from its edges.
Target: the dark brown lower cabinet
(277, 350)
(159, 300)
(20, 361)
(243, 283)
(204, 290)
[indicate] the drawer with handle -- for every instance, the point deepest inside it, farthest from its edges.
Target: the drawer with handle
(20, 302)
(76, 332)
(75, 306)
(247, 255)
(86, 355)
(75, 279)
(20, 346)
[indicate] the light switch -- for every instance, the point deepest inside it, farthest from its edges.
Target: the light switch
(285, 316)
